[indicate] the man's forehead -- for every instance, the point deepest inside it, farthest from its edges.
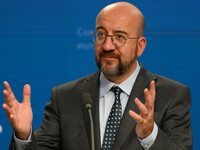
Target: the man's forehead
(118, 17)
(109, 25)
(114, 14)
(114, 24)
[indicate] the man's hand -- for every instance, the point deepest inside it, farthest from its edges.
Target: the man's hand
(145, 120)
(19, 115)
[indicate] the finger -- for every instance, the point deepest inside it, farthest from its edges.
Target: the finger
(149, 100)
(12, 119)
(150, 96)
(27, 94)
(7, 98)
(153, 89)
(6, 85)
(136, 117)
(142, 108)
(8, 88)
(7, 109)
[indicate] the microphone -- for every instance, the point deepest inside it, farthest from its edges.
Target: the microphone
(87, 101)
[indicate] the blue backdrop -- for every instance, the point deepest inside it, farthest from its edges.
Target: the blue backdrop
(46, 43)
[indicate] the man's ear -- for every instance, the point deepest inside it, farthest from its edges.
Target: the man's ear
(141, 46)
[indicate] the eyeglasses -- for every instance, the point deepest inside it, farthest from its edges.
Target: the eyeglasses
(118, 39)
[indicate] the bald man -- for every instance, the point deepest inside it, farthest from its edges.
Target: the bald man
(133, 109)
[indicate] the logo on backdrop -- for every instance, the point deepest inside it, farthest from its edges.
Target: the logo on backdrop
(86, 42)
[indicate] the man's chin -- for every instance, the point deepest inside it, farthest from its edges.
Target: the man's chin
(110, 71)
(109, 63)
(109, 67)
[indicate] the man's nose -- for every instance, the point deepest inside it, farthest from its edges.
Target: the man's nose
(108, 44)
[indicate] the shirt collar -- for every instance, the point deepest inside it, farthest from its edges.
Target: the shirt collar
(126, 86)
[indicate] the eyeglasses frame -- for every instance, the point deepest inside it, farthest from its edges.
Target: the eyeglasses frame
(107, 35)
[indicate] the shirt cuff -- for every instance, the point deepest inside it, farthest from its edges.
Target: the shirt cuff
(149, 140)
(22, 144)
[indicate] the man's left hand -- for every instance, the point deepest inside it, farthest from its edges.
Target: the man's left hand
(145, 120)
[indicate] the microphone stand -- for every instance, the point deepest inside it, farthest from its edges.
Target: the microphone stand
(91, 129)
(87, 100)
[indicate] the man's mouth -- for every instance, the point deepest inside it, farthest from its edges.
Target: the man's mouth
(109, 55)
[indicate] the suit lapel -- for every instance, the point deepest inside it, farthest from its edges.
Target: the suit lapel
(128, 123)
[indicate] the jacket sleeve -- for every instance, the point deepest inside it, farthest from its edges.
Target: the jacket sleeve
(48, 134)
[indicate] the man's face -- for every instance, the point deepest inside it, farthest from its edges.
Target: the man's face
(114, 61)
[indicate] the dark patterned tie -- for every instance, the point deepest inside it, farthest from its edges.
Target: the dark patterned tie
(113, 121)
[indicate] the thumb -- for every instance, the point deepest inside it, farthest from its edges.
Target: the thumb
(27, 94)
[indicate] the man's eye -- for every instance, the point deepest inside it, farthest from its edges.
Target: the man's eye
(120, 36)
(100, 34)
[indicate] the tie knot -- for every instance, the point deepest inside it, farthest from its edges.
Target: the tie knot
(117, 90)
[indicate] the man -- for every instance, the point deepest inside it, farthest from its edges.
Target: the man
(150, 111)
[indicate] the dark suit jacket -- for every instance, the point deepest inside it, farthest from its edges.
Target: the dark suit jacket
(66, 122)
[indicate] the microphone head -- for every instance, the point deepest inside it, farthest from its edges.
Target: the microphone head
(87, 100)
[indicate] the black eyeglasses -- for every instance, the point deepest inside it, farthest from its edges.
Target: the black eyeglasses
(118, 39)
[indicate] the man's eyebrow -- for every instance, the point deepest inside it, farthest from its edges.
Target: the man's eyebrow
(100, 27)
(115, 31)
(120, 31)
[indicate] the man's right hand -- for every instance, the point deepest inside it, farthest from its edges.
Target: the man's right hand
(19, 115)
